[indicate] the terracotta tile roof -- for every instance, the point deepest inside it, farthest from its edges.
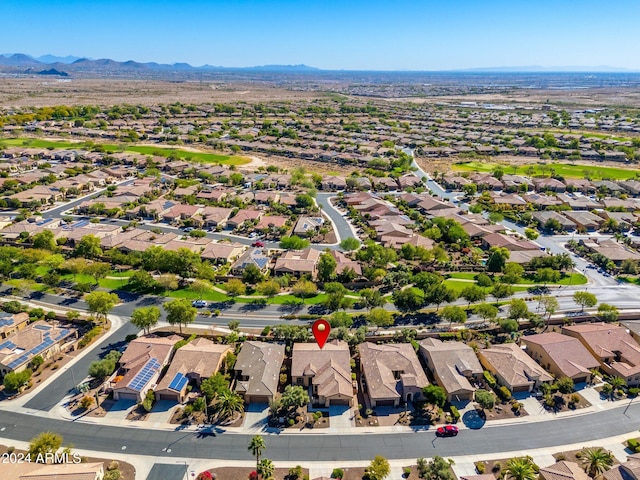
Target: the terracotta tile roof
(571, 357)
(260, 362)
(387, 367)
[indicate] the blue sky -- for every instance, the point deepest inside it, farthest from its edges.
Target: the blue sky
(330, 34)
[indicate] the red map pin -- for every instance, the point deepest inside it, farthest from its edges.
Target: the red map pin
(321, 330)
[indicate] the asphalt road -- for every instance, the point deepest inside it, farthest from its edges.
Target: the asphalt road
(163, 471)
(328, 447)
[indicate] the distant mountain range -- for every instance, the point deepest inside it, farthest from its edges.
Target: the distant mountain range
(19, 63)
(14, 62)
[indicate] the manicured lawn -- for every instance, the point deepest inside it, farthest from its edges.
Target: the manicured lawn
(202, 157)
(463, 275)
(564, 169)
(210, 296)
(458, 286)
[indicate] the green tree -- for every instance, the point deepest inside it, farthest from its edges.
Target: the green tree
(439, 294)
(372, 298)
(201, 287)
(596, 461)
(565, 385)
(349, 244)
(380, 317)
(256, 447)
(547, 275)
(453, 313)
(46, 442)
(227, 403)
(473, 294)
(88, 247)
(268, 288)
(304, 289)
(252, 274)
(408, 299)
(14, 380)
(436, 469)
(45, 240)
(608, 313)
(485, 399)
(326, 267)
(141, 281)
(293, 243)
(304, 201)
(501, 290)
(497, 260)
(549, 304)
(486, 311)
(145, 317)
(235, 287)
(484, 280)
(294, 397)
(379, 468)
(518, 309)
(101, 303)
(213, 385)
(180, 312)
(435, 395)
(512, 273)
(265, 469)
(98, 270)
(521, 468)
(509, 325)
(585, 299)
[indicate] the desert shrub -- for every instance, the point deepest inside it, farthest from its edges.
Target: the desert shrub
(455, 414)
(504, 393)
(491, 381)
(337, 473)
(480, 468)
(633, 445)
(291, 422)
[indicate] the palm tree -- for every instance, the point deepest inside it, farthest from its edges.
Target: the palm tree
(596, 461)
(265, 468)
(226, 403)
(256, 445)
(521, 468)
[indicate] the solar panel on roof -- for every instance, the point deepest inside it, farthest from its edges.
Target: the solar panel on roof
(144, 375)
(42, 327)
(176, 379)
(7, 344)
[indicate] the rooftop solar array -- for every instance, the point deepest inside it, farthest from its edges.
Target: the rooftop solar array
(143, 377)
(6, 321)
(81, 223)
(261, 262)
(178, 382)
(7, 344)
(46, 343)
(44, 222)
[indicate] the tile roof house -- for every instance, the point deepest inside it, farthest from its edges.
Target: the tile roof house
(243, 216)
(193, 362)
(308, 226)
(513, 368)
(615, 349)
(343, 262)
(509, 242)
(326, 371)
(38, 338)
(298, 262)
(10, 323)
(454, 365)
(55, 471)
(391, 373)
(253, 256)
(586, 220)
(141, 364)
(257, 371)
(563, 470)
(629, 470)
(545, 216)
(214, 216)
(561, 355)
(614, 251)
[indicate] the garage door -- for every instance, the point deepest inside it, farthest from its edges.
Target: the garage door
(168, 396)
(384, 403)
(340, 402)
(521, 389)
(580, 380)
(259, 399)
(127, 396)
